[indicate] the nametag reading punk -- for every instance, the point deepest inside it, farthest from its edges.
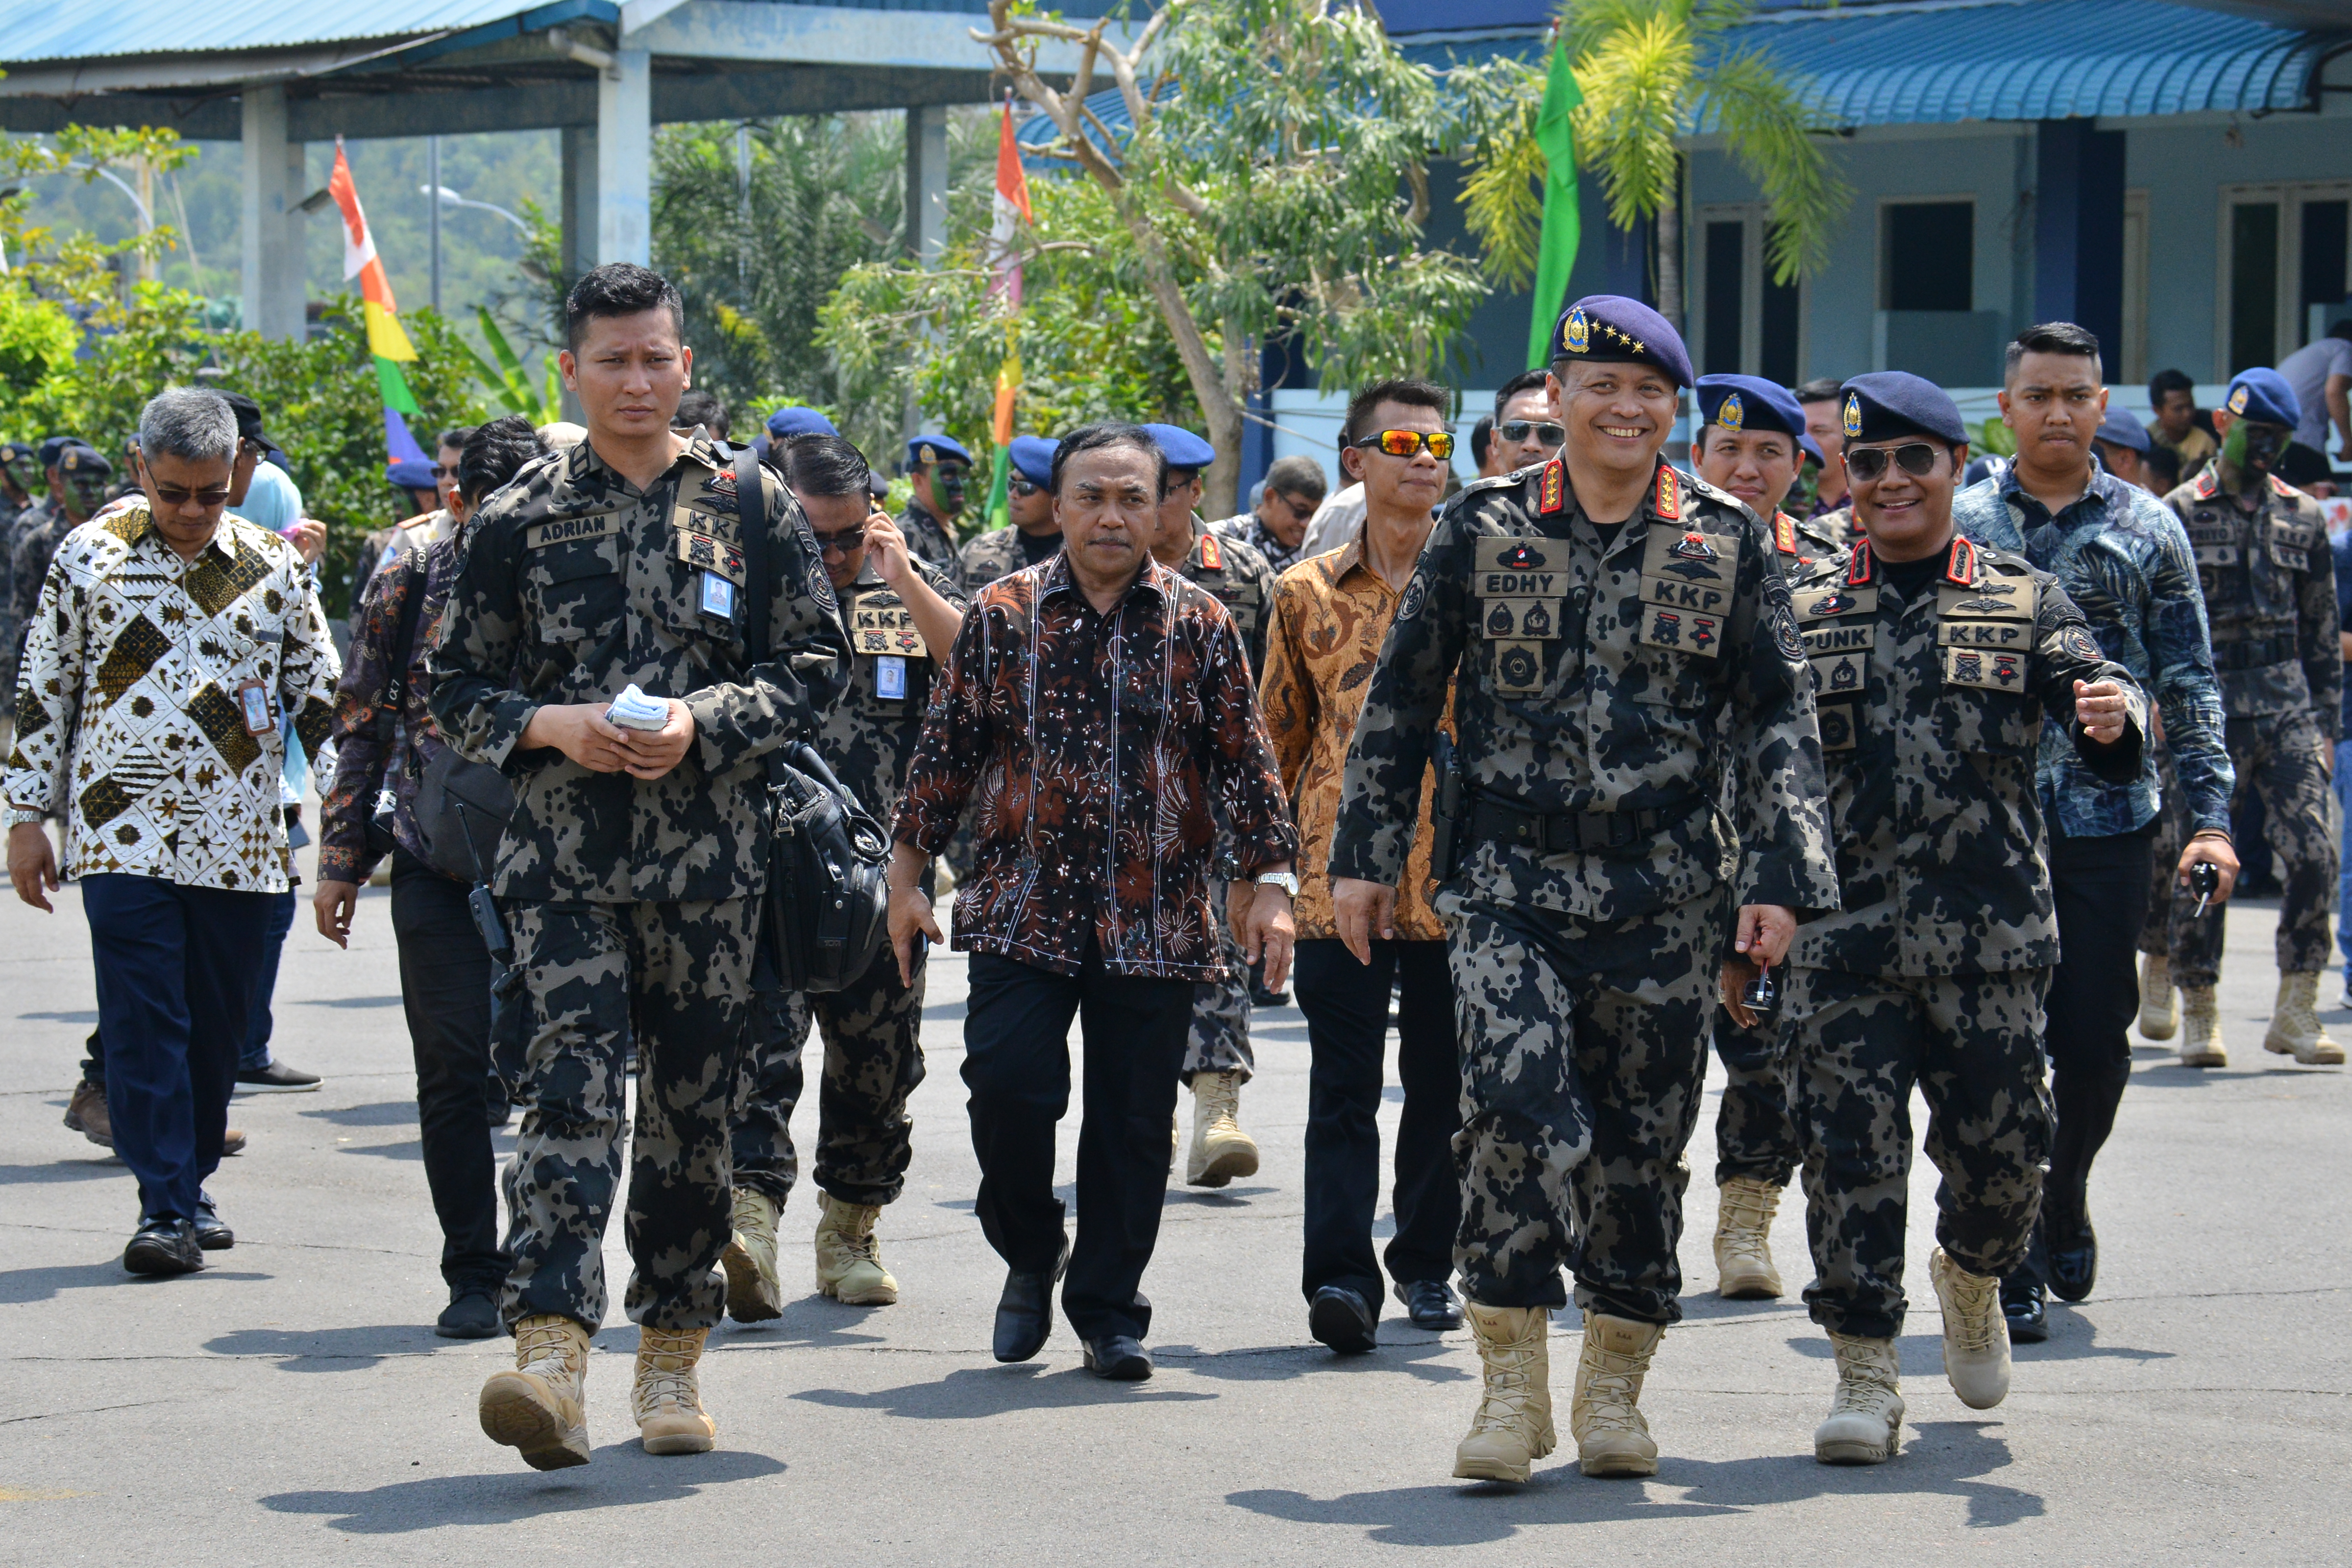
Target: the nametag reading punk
(1687, 577)
(886, 628)
(1989, 669)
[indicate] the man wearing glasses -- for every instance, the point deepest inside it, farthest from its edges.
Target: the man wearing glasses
(1616, 642)
(1294, 488)
(1033, 535)
(1527, 432)
(903, 614)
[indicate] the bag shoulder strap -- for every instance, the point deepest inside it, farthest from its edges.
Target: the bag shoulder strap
(752, 519)
(394, 700)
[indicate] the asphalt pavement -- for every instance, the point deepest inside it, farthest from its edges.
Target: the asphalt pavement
(291, 1405)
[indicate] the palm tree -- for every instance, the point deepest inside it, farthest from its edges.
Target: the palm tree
(1653, 73)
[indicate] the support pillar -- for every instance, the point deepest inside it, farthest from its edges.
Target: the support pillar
(625, 159)
(579, 212)
(927, 183)
(2078, 231)
(272, 228)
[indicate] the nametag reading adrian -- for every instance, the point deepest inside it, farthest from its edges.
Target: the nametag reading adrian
(571, 530)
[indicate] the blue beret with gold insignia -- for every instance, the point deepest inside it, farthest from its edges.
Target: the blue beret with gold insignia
(1603, 329)
(2262, 396)
(1885, 404)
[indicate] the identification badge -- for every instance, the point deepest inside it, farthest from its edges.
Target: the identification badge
(890, 678)
(718, 597)
(253, 703)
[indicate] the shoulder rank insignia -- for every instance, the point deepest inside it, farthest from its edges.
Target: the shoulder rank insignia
(1961, 568)
(1554, 495)
(1858, 566)
(1784, 534)
(1669, 498)
(2280, 485)
(1212, 558)
(2207, 486)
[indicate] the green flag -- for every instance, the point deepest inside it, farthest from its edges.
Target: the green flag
(1561, 221)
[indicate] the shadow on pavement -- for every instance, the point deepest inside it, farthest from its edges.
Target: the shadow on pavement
(622, 1476)
(62, 1171)
(1942, 1457)
(349, 1002)
(1403, 1349)
(20, 1285)
(976, 1393)
(331, 1350)
(380, 1113)
(91, 1017)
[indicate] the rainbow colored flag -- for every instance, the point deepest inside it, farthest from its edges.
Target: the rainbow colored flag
(386, 342)
(1011, 211)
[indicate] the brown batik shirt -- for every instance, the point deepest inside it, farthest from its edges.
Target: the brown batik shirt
(1088, 746)
(1331, 613)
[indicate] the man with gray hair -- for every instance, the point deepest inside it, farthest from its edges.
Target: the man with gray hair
(170, 641)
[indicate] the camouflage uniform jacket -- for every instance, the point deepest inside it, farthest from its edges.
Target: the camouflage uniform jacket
(32, 544)
(1248, 527)
(577, 584)
(363, 765)
(1931, 711)
(999, 553)
(929, 539)
(1088, 745)
(12, 628)
(1799, 542)
(1239, 579)
(2124, 561)
(1627, 680)
(149, 717)
(869, 736)
(2270, 591)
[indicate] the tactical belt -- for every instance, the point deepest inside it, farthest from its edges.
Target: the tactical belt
(1555, 833)
(2257, 653)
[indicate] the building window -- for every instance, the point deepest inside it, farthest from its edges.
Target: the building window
(1926, 256)
(1746, 323)
(2286, 269)
(2253, 284)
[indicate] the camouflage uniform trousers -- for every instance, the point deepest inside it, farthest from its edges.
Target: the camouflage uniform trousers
(2156, 930)
(676, 979)
(1583, 1063)
(2286, 758)
(1220, 1039)
(1754, 1134)
(1853, 1047)
(873, 1061)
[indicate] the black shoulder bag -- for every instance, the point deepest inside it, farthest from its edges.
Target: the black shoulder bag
(826, 913)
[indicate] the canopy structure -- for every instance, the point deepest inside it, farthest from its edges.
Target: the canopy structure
(278, 74)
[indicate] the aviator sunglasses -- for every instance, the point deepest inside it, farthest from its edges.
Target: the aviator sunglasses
(1867, 463)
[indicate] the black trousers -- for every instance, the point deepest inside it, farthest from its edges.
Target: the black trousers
(1016, 1035)
(445, 987)
(2101, 887)
(1347, 1008)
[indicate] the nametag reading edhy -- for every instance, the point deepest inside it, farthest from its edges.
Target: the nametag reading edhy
(890, 678)
(254, 698)
(718, 597)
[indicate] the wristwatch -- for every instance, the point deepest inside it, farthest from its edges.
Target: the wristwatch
(1286, 881)
(26, 817)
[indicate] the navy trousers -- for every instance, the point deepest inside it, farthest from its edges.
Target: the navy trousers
(176, 970)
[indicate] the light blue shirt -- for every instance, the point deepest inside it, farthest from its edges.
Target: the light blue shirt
(272, 501)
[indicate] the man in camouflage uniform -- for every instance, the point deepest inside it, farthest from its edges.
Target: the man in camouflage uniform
(2270, 593)
(1217, 1059)
(1751, 439)
(903, 615)
(79, 476)
(20, 477)
(631, 872)
(1934, 660)
(1622, 644)
(941, 468)
(1029, 502)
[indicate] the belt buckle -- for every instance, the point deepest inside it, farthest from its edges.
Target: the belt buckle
(1591, 830)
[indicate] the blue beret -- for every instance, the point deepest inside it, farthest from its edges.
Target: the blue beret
(1033, 459)
(1184, 449)
(12, 450)
(55, 444)
(1885, 404)
(1811, 448)
(2122, 429)
(2262, 396)
(925, 450)
(1602, 329)
(1749, 403)
(80, 459)
(411, 474)
(786, 422)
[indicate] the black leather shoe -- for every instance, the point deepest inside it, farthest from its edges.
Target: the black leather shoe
(1117, 1358)
(470, 1315)
(1024, 1313)
(2029, 1322)
(1341, 1319)
(2073, 1253)
(213, 1234)
(163, 1245)
(1431, 1304)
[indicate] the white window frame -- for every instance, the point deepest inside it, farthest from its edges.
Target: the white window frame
(2288, 197)
(1754, 217)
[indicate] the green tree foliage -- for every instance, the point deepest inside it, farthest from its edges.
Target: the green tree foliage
(1651, 72)
(508, 386)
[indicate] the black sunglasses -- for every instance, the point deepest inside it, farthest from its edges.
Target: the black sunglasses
(1917, 458)
(839, 542)
(1022, 488)
(1543, 430)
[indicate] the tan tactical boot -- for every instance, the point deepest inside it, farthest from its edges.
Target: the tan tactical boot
(1743, 1239)
(2160, 1017)
(1612, 1438)
(850, 1256)
(754, 1294)
(1221, 1149)
(2201, 1029)
(1513, 1427)
(666, 1399)
(1866, 1413)
(2295, 1030)
(541, 1406)
(1976, 1334)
